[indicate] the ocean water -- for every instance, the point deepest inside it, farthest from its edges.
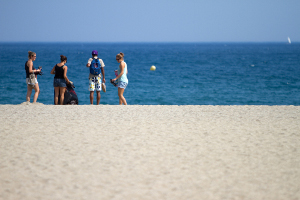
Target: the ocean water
(186, 73)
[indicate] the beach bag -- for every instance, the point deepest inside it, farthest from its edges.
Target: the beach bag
(95, 67)
(103, 87)
(31, 80)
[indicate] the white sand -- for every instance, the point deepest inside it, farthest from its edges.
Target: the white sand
(149, 152)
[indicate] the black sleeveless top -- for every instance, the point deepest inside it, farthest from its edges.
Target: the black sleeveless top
(27, 69)
(59, 72)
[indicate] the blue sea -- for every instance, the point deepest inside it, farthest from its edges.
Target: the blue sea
(186, 73)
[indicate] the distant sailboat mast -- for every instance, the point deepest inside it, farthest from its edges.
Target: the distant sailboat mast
(289, 40)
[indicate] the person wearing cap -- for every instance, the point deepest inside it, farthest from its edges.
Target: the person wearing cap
(95, 81)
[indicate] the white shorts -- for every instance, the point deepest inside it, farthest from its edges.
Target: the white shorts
(95, 83)
(27, 81)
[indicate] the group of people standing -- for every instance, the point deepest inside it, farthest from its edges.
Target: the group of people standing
(60, 82)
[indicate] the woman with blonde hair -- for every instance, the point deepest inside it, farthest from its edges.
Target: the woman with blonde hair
(60, 80)
(122, 78)
(29, 68)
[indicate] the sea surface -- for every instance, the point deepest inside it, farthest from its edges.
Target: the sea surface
(186, 73)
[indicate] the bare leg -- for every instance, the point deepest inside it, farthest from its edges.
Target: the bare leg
(29, 91)
(56, 89)
(121, 97)
(91, 97)
(62, 95)
(37, 92)
(98, 97)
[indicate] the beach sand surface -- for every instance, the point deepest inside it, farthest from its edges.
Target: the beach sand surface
(149, 152)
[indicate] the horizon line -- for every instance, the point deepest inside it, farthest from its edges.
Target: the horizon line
(147, 42)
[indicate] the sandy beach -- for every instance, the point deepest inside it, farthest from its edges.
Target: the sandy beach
(149, 152)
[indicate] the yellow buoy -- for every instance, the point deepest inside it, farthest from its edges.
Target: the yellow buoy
(152, 68)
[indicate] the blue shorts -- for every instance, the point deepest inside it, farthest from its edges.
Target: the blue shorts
(59, 82)
(122, 84)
